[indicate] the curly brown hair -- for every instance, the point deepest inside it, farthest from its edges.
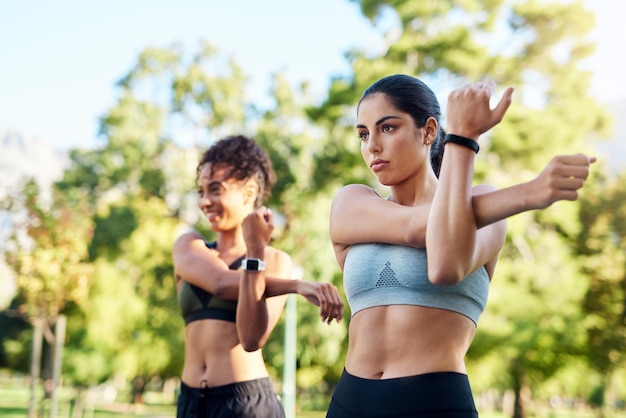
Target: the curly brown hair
(246, 160)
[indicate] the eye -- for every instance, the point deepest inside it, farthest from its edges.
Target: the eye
(214, 190)
(387, 128)
(363, 135)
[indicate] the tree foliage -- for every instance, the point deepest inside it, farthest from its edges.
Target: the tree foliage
(602, 250)
(48, 252)
(99, 252)
(533, 327)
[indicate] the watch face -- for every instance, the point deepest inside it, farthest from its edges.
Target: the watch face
(252, 265)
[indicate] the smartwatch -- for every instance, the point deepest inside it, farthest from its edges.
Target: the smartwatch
(253, 264)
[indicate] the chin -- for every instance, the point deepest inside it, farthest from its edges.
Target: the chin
(385, 182)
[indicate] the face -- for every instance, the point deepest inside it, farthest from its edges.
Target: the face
(224, 201)
(391, 144)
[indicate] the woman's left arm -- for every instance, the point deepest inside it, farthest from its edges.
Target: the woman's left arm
(455, 245)
(256, 314)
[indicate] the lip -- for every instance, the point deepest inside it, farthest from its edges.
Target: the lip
(378, 164)
(211, 216)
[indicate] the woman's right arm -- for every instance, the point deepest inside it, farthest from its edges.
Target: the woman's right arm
(360, 215)
(560, 180)
(198, 265)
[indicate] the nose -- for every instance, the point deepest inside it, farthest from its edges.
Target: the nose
(204, 200)
(373, 144)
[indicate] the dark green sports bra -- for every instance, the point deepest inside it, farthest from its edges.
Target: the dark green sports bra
(196, 303)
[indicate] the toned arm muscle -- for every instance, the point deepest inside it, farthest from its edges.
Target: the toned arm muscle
(258, 314)
(196, 264)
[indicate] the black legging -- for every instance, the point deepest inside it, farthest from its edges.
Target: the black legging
(430, 395)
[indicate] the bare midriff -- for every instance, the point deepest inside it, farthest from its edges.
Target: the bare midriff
(214, 357)
(401, 340)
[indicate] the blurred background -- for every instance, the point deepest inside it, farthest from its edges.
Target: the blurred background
(105, 109)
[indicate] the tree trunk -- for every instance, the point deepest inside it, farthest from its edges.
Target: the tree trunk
(138, 389)
(521, 391)
(35, 365)
(518, 407)
(78, 410)
(59, 342)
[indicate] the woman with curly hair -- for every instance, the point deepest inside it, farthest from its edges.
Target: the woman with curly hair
(232, 290)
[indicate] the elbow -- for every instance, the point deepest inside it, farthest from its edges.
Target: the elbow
(442, 275)
(220, 292)
(251, 344)
(415, 240)
(224, 290)
(415, 235)
(250, 339)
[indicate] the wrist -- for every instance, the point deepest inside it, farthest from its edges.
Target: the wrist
(255, 251)
(253, 265)
(528, 196)
(297, 287)
(462, 141)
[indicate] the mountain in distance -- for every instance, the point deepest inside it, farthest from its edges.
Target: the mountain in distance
(23, 156)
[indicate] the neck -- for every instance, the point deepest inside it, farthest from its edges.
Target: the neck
(416, 191)
(231, 242)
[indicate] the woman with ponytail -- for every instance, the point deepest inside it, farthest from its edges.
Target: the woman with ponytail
(417, 264)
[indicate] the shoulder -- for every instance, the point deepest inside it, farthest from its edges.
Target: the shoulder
(352, 193)
(355, 190)
(186, 239)
(278, 262)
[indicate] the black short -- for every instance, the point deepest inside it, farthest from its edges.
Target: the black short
(250, 399)
(430, 395)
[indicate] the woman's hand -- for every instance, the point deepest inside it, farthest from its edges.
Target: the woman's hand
(324, 295)
(468, 112)
(257, 230)
(560, 180)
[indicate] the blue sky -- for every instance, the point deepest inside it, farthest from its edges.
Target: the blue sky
(60, 59)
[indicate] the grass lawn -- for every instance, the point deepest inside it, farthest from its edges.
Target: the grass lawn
(14, 404)
(118, 411)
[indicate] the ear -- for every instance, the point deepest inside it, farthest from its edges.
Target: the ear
(251, 191)
(431, 130)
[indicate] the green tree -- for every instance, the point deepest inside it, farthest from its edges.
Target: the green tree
(142, 187)
(47, 251)
(136, 196)
(293, 143)
(134, 193)
(531, 324)
(602, 248)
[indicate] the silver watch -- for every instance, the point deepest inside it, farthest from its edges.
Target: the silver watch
(253, 264)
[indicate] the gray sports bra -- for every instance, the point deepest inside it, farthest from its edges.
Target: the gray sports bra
(384, 274)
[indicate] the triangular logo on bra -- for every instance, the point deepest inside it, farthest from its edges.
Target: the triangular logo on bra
(387, 277)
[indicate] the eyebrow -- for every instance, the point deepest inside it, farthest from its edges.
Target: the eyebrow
(212, 183)
(379, 121)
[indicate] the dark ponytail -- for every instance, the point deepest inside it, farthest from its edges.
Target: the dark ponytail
(436, 151)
